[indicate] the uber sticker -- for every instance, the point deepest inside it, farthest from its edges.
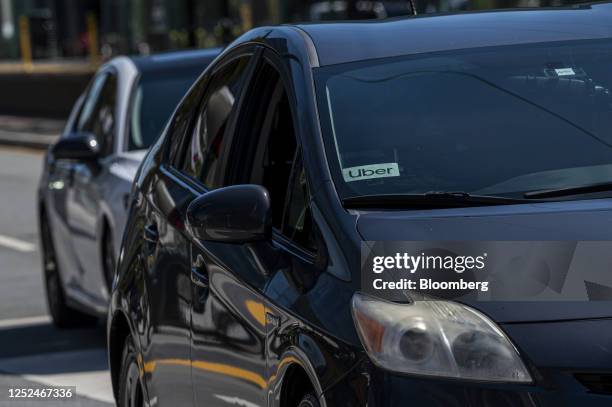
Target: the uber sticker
(565, 72)
(370, 171)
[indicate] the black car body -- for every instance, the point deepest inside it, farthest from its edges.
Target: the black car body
(88, 174)
(241, 257)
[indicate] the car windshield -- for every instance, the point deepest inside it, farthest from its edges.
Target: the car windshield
(490, 121)
(155, 98)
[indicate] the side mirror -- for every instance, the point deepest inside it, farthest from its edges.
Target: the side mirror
(234, 214)
(79, 146)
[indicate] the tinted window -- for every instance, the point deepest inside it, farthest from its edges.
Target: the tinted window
(498, 121)
(207, 143)
(297, 222)
(153, 101)
(181, 121)
(271, 157)
(268, 129)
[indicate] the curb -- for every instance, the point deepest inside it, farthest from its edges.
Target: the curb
(31, 140)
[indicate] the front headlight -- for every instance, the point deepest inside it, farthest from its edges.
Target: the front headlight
(436, 338)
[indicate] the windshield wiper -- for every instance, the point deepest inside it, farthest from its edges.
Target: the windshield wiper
(433, 199)
(568, 191)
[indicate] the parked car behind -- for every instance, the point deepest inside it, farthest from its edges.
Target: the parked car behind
(88, 173)
(239, 279)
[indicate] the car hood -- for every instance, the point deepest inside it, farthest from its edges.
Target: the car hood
(559, 221)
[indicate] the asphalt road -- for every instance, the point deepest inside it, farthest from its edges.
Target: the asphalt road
(32, 352)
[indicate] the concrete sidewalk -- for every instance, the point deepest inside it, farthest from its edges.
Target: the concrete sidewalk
(58, 66)
(29, 131)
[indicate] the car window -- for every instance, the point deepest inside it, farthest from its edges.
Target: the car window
(271, 157)
(97, 115)
(432, 122)
(83, 122)
(181, 121)
(297, 223)
(202, 158)
(154, 99)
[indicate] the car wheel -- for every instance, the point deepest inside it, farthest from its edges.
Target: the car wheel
(62, 315)
(108, 259)
(130, 388)
(309, 400)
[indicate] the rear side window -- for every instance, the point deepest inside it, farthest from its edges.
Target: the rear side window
(209, 138)
(181, 121)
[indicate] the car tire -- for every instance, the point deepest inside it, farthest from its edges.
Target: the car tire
(62, 315)
(130, 387)
(309, 400)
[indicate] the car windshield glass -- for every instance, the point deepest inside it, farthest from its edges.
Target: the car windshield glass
(491, 121)
(155, 98)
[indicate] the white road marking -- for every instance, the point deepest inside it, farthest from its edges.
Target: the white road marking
(14, 322)
(16, 244)
(94, 385)
(236, 401)
(85, 369)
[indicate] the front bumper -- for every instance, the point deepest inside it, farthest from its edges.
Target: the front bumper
(571, 363)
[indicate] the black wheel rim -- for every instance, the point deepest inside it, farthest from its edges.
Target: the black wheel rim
(132, 396)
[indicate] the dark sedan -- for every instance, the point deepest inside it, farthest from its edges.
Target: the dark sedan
(88, 174)
(239, 279)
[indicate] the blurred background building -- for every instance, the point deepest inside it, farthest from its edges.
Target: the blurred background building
(67, 28)
(50, 48)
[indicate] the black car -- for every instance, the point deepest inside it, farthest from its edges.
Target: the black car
(239, 279)
(88, 174)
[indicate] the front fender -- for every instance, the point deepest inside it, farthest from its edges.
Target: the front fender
(291, 357)
(325, 359)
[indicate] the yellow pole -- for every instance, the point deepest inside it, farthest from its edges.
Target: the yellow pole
(92, 39)
(25, 43)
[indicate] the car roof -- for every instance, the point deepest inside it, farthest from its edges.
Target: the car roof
(341, 42)
(168, 61)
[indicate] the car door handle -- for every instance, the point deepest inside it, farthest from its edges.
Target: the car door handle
(199, 276)
(151, 235)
